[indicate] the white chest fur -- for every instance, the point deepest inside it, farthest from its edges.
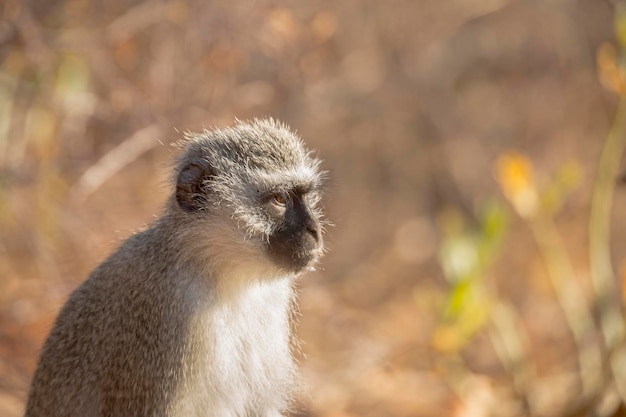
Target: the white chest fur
(239, 360)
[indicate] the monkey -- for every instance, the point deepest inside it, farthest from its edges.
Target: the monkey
(193, 316)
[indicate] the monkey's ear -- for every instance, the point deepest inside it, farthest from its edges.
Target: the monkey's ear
(191, 184)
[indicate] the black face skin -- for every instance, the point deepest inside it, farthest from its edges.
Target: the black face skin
(297, 240)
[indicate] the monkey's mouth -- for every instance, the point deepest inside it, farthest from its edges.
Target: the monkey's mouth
(296, 252)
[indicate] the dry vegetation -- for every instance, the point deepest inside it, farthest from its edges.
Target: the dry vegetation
(474, 266)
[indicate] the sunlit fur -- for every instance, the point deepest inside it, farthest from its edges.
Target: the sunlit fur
(189, 317)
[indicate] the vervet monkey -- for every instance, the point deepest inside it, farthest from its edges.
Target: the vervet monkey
(191, 317)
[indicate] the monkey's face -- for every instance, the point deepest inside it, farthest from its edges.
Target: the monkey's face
(261, 187)
(268, 217)
(296, 238)
(278, 213)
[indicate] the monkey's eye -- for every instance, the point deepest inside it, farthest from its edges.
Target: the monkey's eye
(279, 200)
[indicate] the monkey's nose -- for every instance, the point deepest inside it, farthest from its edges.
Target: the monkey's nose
(314, 230)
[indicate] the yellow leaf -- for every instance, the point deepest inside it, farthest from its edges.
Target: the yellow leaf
(514, 173)
(610, 74)
(447, 339)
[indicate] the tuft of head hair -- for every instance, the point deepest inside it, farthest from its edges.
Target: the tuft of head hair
(262, 144)
(259, 157)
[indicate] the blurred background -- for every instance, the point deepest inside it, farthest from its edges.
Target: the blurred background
(474, 150)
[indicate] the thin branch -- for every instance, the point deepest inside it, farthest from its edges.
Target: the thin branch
(602, 274)
(126, 152)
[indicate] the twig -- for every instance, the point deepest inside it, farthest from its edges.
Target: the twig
(572, 301)
(602, 274)
(508, 344)
(126, 152)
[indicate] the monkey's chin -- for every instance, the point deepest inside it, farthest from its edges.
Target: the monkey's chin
(297, 262)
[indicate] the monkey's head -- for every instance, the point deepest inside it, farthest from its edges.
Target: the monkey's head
(252, 191)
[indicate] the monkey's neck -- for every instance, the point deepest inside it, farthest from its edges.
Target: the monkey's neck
(215, 251)
(231, 282)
